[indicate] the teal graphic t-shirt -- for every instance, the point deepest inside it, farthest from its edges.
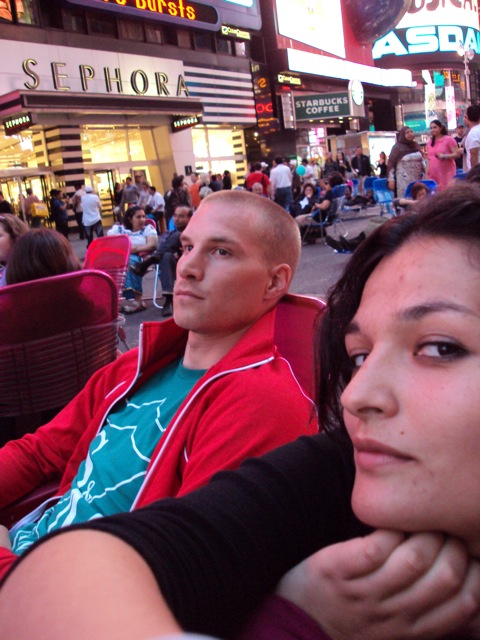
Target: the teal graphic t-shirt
(109, 478)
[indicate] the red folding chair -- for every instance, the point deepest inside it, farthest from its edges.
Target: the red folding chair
(296, 323)
(110, 254)
(54, 333)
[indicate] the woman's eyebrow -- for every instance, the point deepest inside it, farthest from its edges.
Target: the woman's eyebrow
(418, 312)
(352, 327)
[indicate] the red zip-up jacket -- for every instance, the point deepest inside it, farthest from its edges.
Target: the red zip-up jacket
(245, 405)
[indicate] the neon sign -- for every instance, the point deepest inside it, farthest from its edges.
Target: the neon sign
(177, 11)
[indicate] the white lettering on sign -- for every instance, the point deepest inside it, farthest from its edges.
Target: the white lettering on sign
(427, 39)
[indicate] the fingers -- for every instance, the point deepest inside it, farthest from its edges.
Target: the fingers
(4, 537)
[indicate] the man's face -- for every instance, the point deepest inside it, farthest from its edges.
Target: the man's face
(128, 182)
(194, 178)
(358, 151)
(222, 276)
(181, 218)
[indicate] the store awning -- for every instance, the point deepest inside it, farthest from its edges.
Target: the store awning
(60, 107)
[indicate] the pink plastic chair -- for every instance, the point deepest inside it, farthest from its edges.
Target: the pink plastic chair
(296, 322)
(54, 333)
(110, 254)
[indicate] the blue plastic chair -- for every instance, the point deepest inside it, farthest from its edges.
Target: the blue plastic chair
(355, 186)
(368, 184)
(460, 175)
(430, 184)
(339, 190)
(383, 195)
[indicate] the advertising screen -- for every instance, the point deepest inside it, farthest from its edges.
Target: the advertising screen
(317, 23)
(432, 27)
(209, 14)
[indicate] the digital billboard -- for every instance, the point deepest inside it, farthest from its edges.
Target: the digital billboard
(204, 14)
(432, 27)
(317, 23)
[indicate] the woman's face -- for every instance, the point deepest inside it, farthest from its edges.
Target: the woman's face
(340, 156)
(138, 220)
(6, 243)
(435, 130)
(409, 135)
(412, 407)
(308, 192)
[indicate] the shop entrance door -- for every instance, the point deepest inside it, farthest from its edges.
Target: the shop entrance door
(14, 189)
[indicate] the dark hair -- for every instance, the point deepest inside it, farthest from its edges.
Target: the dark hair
(128, 215)
(335, 179)
(443, 130)
(13, 226)
(177, 182)
(279, 160)
(417, 188)
(474, 174)
(452, 214)
(473, 112)
(40, 253)
(257, 166)
(29, 191)
(306, 185)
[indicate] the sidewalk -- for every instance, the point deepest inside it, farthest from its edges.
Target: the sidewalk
(318, 269)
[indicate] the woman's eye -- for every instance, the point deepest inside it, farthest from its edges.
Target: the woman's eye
(440, 350)
(358, 359)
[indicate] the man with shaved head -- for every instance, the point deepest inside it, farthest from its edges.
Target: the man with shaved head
(203, 392)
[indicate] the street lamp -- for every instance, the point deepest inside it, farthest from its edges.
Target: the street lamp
(468, 55)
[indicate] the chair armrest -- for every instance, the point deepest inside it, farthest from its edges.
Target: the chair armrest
(17, 510)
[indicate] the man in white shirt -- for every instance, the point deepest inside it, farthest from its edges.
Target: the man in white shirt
(156, 207)
(77, 207)
(281, 181)
(144, 195)
(91, 219)
(472, 139)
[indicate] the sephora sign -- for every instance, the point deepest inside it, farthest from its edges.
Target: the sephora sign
(432, 26)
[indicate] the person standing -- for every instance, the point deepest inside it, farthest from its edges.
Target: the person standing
(442, 150)
(255, 176)
(281, 181)
(5, 206)
(58, 212)
(405, 164)
(459, 139)
(77, 207)
(27, 208)
(195, 185)
(92, 219)
(130, 194)
(156, 208)
(382, 165)
(472, 139)
(361, 167)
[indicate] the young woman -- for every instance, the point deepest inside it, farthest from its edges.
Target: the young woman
(144, 240)
(381, 165)
(442, 151)
(11, 228)
(41, 253)
(400, 370)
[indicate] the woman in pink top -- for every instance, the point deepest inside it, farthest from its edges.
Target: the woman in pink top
(442, 150)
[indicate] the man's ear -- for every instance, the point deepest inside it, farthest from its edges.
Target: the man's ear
(280, 278)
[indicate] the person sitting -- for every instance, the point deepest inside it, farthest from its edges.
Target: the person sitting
(257, 189)
(40, 253)
(399, 354)
(11, 228)
(177, 195)
(144, 240)
(201, 393)
(321, 210)
(166, 255)
(156, 208)
(305, 202)
(418, 192)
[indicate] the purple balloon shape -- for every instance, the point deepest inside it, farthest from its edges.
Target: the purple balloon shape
(372, 19)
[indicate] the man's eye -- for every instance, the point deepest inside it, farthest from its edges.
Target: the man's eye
(221, 252)
(186, 248)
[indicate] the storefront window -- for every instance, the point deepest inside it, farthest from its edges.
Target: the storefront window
(130, 30)
(153, 34)
(5, 10)
(114, 145)
(27, 12)
(102, 26)
(214, 150)
(17, 151)
(74, 21)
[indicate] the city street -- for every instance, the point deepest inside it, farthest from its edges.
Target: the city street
(318, 269)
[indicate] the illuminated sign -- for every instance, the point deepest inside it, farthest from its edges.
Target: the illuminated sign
(322, 105)
(431, 27)
(200, 13)
(185, 122)
(234, 32)
(15, 124)
(267, 122)
(288, 79)
(317, 23)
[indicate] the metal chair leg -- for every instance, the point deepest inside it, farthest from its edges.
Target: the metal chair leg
(155, 286)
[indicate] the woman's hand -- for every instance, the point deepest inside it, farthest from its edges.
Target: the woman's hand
(387, 585)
